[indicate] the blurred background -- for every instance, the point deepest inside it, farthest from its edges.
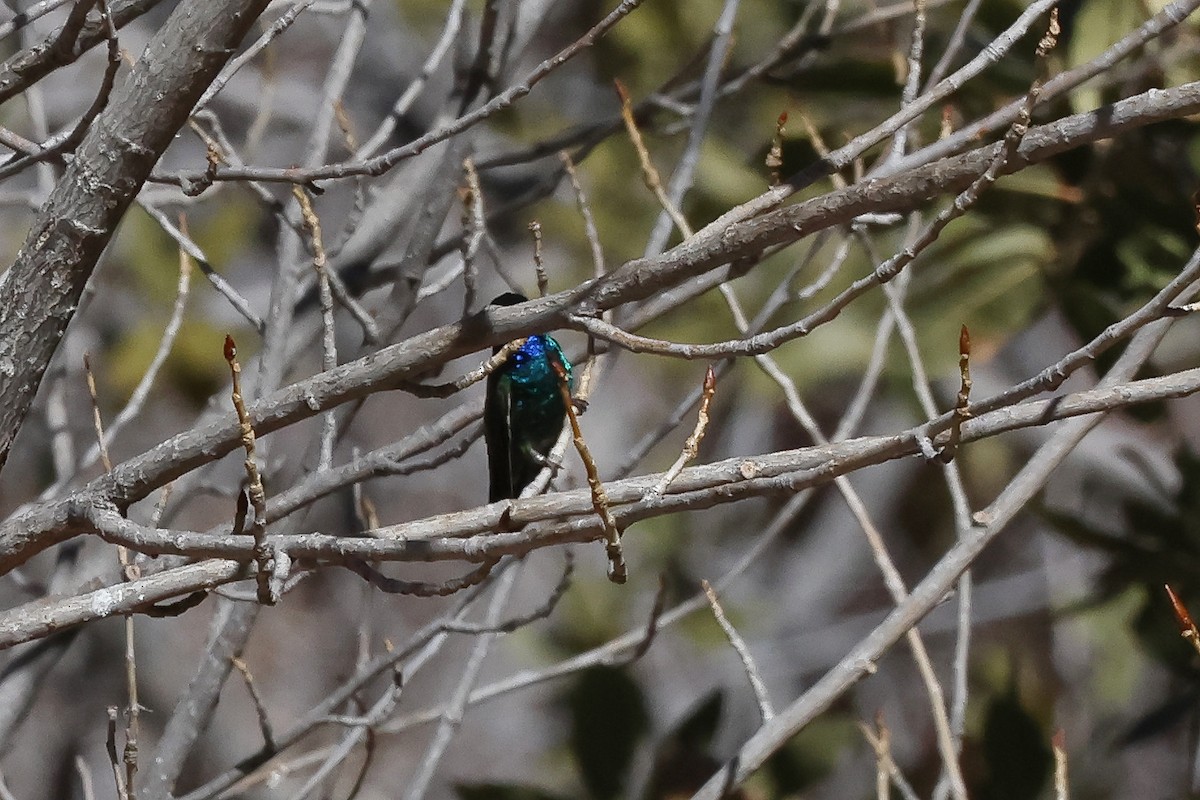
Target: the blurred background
(1071, 630)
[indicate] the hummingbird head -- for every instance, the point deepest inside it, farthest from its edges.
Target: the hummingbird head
(507, 299)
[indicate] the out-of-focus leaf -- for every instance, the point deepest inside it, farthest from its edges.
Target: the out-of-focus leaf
(608, 719)
(194, 368)
(684, 763)
(1164, 717)
(1018, 757)
(698, 728)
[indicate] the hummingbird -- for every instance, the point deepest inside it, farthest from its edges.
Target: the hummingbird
(524, 411)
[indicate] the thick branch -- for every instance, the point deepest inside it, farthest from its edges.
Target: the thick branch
(461, 536)
(41, 526)
(39, 293)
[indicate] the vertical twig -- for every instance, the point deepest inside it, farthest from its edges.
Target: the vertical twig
(474, 227)
(650, 174)
(128, 572)
(585, 211)
(682, 177)
(264, 724)
(962, 411)
(258, 497)
(617, 572)
(111, 747)
(452, 718)
(86, 785)
(885, 766)
(1059, 743)
(312, 224)
(774, 160)
(692, 446)
(539, 268)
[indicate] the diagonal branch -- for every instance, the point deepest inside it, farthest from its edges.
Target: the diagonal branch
(40, 291)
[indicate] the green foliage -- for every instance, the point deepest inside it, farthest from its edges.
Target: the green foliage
(1130, 229)
(1097, 26)
(810, 756)
(194, 369)
(1159, 542)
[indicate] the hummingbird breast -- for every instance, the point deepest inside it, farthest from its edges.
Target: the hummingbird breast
(524, 414)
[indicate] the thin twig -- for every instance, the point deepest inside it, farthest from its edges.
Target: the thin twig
(258, 526)
(86, 785)
(650, 174)
(72, 139)
(887, 769)
(765, 710)
(420, 588)
(476, 375)
(381, 164)
(312, 224)
(260, 708)
(515, 623)
(617, 572)
(128, 572)
(774, 160)
(585, 211)
(111, 747)
(691, 447)
(684, 173)
(1061, 786)
(403, 103)
(962, 403)
(475, 229)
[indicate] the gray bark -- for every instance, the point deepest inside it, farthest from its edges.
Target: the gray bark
(39, 293)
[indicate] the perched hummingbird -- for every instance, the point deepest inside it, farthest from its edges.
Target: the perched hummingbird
(524, 411)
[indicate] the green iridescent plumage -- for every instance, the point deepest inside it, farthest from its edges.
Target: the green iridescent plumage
(524, 412)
